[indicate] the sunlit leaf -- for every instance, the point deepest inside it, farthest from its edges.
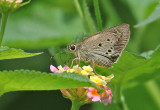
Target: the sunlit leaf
(12, 53)
(19, 80)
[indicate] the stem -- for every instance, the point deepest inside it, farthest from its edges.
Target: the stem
(3, 26)
(138, 37)
(75, 105)
(111, 12)
(120, 98)
(78, 8)
(87, 18)
(98, 14)
(153, 89)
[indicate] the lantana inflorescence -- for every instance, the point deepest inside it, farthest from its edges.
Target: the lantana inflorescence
(87, 94)
(7, 6)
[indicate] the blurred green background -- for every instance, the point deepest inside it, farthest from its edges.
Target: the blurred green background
(44, 25)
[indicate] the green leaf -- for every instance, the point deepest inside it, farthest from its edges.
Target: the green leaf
(154, 16)
(142, 79)
(19, 80)
(130, 66)
(12, 53)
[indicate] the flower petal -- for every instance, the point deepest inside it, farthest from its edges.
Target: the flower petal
(54, 69)
(70, 70)
(66, 68)
(105, 101)
(84, 72)
(60, 68)
(96, 98)
(87, 68)
(89, 95)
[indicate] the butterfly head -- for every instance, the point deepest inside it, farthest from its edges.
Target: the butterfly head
(71, 48)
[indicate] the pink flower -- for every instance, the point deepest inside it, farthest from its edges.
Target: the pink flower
(66, 68)
(54, 69)
(60, 69)
(106, 97)
(93, 94)
(86, 94)
(19, 1)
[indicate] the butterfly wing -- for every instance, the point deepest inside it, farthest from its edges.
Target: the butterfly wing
(105, 47)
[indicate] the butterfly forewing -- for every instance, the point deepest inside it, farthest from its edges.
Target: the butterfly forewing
(105, 47)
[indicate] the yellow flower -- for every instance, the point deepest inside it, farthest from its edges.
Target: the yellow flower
(87, 68)
(60, 68)
(108, 78)
(70, 70)
(97, 80)
(86, 94)
(77, 69)
(84, 72)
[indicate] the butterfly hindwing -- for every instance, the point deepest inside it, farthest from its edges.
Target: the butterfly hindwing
(105, 47)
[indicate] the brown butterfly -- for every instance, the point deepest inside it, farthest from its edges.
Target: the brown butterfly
(102, 48)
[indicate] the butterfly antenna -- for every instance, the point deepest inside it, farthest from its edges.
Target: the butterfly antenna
(57, 54)
(67, 61)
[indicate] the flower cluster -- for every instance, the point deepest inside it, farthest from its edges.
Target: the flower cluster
(10, 5)
(87, 94)
(11, 1)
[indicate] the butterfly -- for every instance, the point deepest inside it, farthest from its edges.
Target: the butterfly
(102, 48)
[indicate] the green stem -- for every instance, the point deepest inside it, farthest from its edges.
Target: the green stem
(78, 8)
(111, 12)
(88, 21)
(75, 105)
(120, 98)
(138, 37)
(98, 14)
(153, 89)
(3, 26)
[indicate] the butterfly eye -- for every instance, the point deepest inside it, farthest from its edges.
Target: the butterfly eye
(73, 47)
(100, 45)
(109, 50)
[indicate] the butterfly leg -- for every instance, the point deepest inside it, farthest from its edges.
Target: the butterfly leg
(92, 65)
(78, 61)
(73, 61)
(78, 58)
